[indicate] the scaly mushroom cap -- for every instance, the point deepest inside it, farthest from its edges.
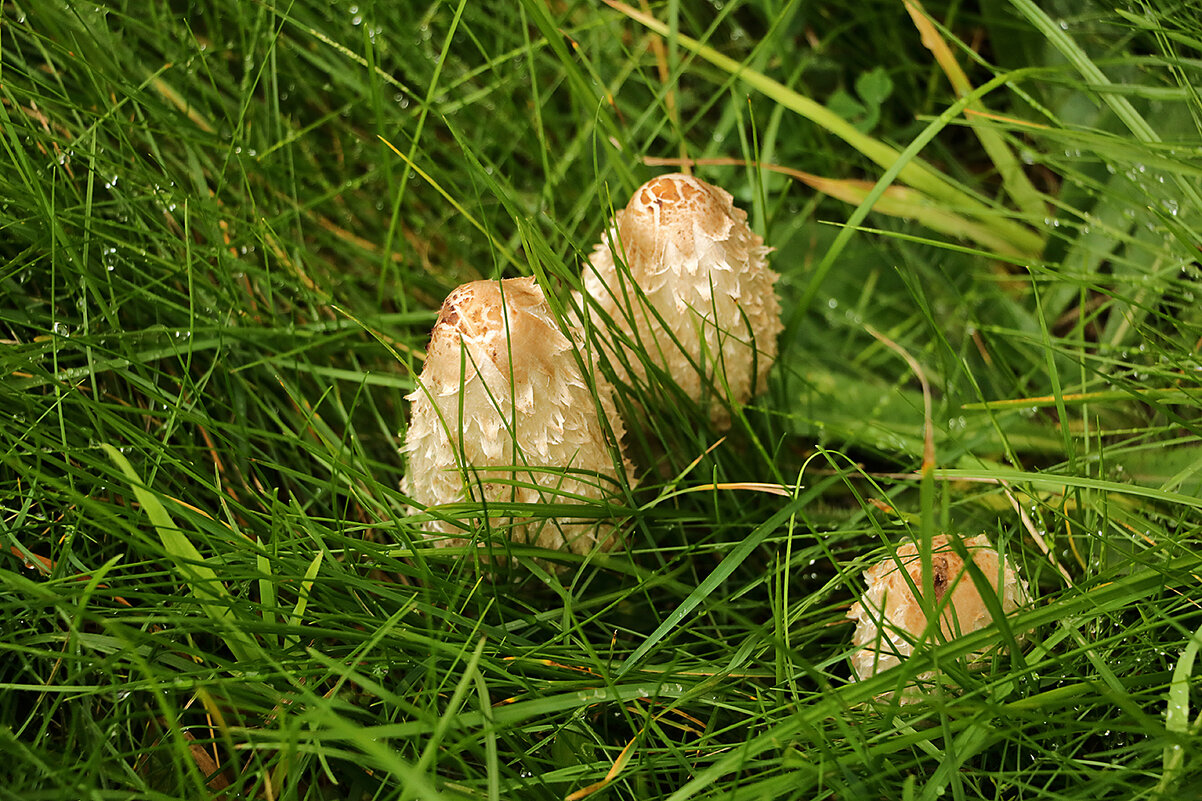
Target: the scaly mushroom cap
(889, 607)
(702, 269)
(497, 354)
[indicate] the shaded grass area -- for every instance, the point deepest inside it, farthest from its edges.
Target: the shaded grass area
(217, 282)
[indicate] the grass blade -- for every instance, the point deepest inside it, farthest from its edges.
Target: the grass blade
(201, 580)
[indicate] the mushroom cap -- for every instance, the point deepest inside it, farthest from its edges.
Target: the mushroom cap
(704, 294)
(675, 221)
(890, 617)
(511, 339)
(502, 409)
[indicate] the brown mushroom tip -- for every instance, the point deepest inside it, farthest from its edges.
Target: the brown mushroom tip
(674, 188)
(487, 293)
(473, 307)
(679, 202)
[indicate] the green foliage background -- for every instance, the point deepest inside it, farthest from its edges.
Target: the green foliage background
(217, 279)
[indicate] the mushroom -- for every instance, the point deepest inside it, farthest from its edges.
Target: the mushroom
(686, 281)
(890, 618)
(503, 413)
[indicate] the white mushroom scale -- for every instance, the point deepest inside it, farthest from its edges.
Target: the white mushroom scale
(686, 281)
(503, 414)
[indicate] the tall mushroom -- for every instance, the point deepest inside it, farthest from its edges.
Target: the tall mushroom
(686, 281)
(890, 618)
(503, 414)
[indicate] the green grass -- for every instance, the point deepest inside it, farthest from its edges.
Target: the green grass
(217, 277)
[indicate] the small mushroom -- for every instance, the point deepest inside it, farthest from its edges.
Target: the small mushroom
(702, 304)
(890, 617)
(500, 373)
